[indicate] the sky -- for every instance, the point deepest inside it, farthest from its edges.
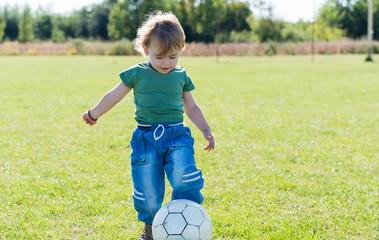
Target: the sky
(294, 10)
(287, 10)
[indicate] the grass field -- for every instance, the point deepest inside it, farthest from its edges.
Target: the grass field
(297, 148)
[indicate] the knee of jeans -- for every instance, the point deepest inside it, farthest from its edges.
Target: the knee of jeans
(147, 208)
(192, 179)
(139, 200)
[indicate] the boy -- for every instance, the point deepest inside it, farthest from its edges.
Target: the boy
(160, 144)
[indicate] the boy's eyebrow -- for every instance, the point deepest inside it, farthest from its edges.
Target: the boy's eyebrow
(159, 55)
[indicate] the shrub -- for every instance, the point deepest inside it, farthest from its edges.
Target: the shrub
(239, 37)
(58, 35)
(123, 47)
(288, 48)
(362, 49)
(375, 48)
(79, 45)
(72, 51)
(12, 52)
(126, 47)
(99, 50)
(33, 52)
(271, 48)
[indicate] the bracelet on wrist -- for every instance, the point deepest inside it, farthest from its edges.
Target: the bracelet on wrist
(89, 115)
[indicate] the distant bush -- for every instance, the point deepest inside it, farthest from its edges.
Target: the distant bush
(288, 48)
(100, 51)
(79, 45)
(271, 48)
(123, 47)
(375, 49)
(126, 47)
(33, 52)
(57, 35)
(72, 51)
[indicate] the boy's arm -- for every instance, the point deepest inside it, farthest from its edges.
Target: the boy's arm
(110, 99)
(195, 114)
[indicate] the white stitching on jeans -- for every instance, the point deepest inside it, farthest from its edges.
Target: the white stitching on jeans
(138, 192)
(139, 198)
(135, 193)
(191, 180)
(191, 174)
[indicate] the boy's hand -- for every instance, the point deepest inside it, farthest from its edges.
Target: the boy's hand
(87, 118)
(209, 137)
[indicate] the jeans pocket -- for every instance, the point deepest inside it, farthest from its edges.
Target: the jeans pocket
(138, 145)
(182, 138)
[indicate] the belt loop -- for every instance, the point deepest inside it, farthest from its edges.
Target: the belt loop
(155, 137)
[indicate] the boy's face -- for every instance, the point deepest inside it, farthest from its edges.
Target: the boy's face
(163, 64)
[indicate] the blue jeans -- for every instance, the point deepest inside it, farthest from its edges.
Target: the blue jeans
(163, 149)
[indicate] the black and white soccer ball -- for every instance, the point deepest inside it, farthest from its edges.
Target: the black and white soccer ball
(182, 219)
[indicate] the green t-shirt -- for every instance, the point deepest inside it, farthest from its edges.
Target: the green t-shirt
(158, 97)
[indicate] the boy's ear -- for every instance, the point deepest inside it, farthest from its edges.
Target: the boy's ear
(183, 47)
(145, 49)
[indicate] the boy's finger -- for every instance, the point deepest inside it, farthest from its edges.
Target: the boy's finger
(209, 147)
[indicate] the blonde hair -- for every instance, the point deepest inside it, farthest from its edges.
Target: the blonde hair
(163, 26)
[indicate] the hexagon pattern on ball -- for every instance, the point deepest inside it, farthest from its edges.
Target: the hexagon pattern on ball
(174, 223)
(182, 219)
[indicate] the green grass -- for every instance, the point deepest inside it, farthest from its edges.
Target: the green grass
(297, 148)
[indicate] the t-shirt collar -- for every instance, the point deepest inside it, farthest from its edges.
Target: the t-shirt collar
(150, 65)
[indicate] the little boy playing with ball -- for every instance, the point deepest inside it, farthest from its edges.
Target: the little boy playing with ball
(160, 143)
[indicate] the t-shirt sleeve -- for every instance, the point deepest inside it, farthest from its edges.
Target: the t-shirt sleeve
(188, 86)
(128, 76)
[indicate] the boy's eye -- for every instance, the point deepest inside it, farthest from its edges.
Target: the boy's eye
(172, 57)
(158, 57)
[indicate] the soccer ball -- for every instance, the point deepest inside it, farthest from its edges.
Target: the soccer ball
(182, 219)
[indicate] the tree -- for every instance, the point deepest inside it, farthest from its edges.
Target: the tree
(127, 15)
(120, 21)
(263, 8)
(141, 9)
(351, 17)
(328, 26)
(12, 19)
(186, 13)
(57, 35)
(208, 11)
(330, 15)
(43, 25)
(356, 21)
(66, 24)
(236, 17)
(358, 17)
(3, 24)
(99, 17)
(297, 32)
(270, 30)
(81, 20)
(376, 20)
(25, 26)
(267, 29)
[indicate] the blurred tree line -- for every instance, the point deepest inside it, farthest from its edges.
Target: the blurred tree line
(202, 20)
